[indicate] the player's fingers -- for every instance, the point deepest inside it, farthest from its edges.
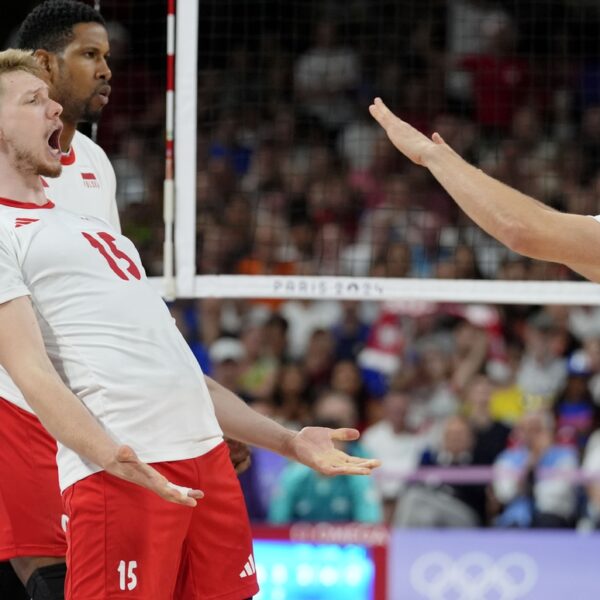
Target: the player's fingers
(181, 495)
(347, 470)
(357, 461)
(379, 111)
(344, 434)
(437, 138)
(243, 466)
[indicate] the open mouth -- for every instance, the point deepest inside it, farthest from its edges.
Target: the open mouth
(54, 141)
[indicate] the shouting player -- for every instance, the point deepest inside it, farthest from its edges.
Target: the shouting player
(76, 309)
(71, 45)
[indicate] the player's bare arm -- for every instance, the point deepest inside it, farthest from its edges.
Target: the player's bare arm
(312, 446)
(520, 222)
(65, 417)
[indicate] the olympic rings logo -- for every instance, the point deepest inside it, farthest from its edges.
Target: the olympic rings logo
(473, 576)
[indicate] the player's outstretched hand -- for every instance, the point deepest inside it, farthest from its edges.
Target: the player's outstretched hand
(314, 447)
(128, 466)
(411, 142)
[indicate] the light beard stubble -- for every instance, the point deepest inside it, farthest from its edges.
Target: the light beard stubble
(26, 163)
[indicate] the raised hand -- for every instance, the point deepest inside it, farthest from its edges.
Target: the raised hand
(314, 447)
(412, 143)
(128, 466)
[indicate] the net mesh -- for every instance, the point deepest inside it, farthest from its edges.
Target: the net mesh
(132, 130)
(293, 178)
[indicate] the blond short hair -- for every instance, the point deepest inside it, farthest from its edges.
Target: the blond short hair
(19, 60)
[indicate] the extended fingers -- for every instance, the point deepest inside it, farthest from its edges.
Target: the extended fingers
(182, 495)
(345, 434)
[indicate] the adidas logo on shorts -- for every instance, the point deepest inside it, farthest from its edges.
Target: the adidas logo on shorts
(249, 567)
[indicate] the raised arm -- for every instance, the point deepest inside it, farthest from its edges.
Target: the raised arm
(313, 446)
(520, 222)
(24, 357)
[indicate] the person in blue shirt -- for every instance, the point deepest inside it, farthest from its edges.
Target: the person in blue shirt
(302, 495)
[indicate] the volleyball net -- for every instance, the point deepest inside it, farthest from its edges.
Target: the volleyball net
(286, 182)
(284, 186)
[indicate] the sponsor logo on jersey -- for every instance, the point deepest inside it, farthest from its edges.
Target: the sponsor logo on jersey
(21, 221)
(249, 568)
(89, 179)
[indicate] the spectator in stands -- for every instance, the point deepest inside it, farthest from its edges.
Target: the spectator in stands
(500, 77)
(491, 436)
(543, 370)
(350, 332)
(591, 469)
(227, 358)
(436, 503)
(576, 414)
(259, 370)
(319, 359)
(325, 76)
(304, 496)
(291, 396)
(397, 445)
(532, 497)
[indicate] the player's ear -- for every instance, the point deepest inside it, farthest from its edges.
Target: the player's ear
(47, 60)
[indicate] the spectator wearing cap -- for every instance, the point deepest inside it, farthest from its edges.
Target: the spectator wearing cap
(575, 411)
(227, 356)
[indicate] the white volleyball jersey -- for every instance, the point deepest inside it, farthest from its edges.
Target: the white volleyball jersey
(87, 184)
(107, 332)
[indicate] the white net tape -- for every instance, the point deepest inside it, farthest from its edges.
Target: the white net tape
(417, 290)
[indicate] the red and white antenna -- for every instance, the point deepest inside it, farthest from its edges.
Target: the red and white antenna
(169, 184)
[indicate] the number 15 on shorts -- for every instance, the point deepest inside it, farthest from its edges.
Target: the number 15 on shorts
(127, 577)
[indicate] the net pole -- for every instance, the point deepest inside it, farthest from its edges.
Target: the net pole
(169, 285)
(186, 75)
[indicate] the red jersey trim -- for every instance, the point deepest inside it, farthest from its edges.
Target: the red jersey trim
(16, 204)
(69, 158)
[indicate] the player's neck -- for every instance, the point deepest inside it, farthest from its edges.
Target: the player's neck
(66, 137)
(20, 186)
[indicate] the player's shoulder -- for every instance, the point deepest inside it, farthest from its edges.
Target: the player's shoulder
(82, 144)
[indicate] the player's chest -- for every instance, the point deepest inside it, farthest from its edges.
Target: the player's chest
(69, 244)
(79, 189)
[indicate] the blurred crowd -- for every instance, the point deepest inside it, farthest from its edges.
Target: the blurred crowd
(482, 415)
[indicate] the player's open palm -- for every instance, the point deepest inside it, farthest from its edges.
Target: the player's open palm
(411, 142)
(128, 466)
(314, 447)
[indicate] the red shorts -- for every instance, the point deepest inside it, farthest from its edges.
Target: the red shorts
(30, 502)
(126, 542)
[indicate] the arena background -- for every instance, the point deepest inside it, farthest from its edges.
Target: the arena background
(294, 182)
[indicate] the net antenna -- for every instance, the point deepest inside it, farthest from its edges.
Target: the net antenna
(169, 287)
